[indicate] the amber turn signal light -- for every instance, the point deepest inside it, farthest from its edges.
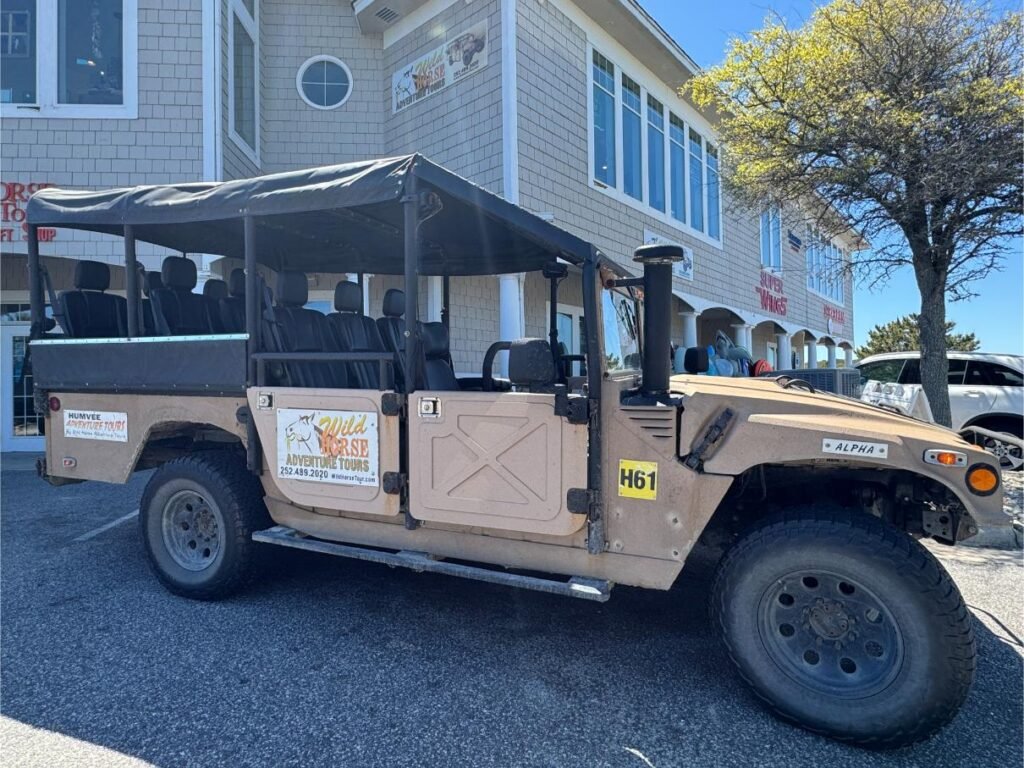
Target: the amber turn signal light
(982, 479)
(945, 458)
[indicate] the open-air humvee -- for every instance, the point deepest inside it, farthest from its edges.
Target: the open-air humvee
(347, 436)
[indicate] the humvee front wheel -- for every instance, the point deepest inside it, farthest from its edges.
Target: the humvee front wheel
(197, 517)
(845, 626)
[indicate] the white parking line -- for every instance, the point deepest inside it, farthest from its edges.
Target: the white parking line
(97, 531)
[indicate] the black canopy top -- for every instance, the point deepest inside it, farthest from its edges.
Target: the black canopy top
(340, 218)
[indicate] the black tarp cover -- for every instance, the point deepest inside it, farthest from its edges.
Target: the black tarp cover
(340, 218)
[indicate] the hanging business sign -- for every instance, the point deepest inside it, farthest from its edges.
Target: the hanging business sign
(460, 57)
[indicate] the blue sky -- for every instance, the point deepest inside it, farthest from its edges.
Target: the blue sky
(996, 316)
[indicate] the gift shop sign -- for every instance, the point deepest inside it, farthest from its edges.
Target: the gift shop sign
(463, 55)
(12, 212)
(772, 296)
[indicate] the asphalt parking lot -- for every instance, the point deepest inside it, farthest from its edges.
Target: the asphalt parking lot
(331, 662)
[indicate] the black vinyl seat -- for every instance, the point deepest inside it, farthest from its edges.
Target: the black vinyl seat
(437, 367)
(392, 329)
(531, 367)
(88, 311)
(290, 327)
(184, 312)
(232, 306)
(152, 318)
(214, 291)
(356, 332)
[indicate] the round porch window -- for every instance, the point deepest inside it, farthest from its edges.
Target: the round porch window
(324, 82)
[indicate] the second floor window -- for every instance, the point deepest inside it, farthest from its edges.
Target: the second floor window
(67, 58)
(647, 156)
(243, 118)
(825, 267)
(771, 239)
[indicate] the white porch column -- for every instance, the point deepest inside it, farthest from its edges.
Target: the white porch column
(848, 357)
(831, 355)
(510, 314)
(435, 298)
(812, 354)
(741, 334)
(689, 329)
(784, 351)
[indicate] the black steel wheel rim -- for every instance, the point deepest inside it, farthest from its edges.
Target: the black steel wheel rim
(830, 633)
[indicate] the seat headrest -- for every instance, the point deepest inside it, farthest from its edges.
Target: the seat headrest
(236, 282)
(394, 303)
(152, 282)
(348, 297)
(695, 360)
(435, 340)
(215, 289)
(530, 363)
(178, 272)
(92, 276)
(292, 288)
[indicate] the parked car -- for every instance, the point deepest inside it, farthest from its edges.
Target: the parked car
(985, 391)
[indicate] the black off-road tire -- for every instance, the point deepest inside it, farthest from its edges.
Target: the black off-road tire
(930, 659)
(219, 486)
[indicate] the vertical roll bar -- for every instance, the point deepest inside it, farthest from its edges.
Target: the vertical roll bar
(252, 297)
(35, 286)
(131, 281)
(445, 299)
(410, 211)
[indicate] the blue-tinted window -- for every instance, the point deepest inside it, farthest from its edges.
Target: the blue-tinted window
(677, 166)
(632, 156)
(696, 181)
(655, 154)
(604, 120)
(714, 225)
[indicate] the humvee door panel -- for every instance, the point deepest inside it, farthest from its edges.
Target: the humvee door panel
(327, 448)
(494, 460)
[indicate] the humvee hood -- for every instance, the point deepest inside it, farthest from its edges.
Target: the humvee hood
(765, 399)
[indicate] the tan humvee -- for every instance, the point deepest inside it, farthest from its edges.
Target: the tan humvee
(351, 437)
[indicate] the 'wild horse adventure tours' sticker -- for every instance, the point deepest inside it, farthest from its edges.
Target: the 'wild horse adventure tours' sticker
(327, 446)
(96, 425)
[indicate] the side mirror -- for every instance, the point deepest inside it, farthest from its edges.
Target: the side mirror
(696, 360)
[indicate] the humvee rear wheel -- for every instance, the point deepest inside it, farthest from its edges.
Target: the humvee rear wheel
(197, 517)
(845, 626)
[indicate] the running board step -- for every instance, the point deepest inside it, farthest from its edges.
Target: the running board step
(584, 589)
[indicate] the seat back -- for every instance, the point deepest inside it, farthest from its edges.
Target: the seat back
(232, 306)
(437, 367)
(213, 292)
(290, 327)
(185, 313)
(89, 312)
(152, 318)
(530, 365)
(392, 329)
(356, 332)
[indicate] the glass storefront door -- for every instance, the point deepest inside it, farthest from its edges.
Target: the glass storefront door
(21, 428)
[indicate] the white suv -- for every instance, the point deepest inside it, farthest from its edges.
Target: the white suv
(985, 391)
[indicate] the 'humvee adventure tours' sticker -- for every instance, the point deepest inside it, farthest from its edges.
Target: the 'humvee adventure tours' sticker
(854, 448)
(327, 446)
(96, 425)
(638, 479)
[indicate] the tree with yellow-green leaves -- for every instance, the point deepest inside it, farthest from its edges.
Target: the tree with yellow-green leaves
(900, 118)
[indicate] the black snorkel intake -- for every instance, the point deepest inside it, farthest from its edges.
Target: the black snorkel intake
(657, 261)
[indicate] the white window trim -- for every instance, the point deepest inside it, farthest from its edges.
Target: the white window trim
(333, 60)
(251, 25)
(46, 105)
(818, 262)
(618, 191)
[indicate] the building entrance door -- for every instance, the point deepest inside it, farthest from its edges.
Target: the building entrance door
(21, 428)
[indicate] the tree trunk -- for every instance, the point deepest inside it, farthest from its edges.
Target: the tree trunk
(932, 325)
